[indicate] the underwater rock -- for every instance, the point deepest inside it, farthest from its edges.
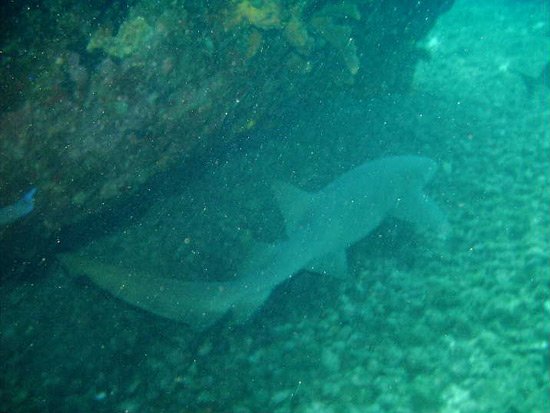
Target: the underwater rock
(91, 119)
(339, 36)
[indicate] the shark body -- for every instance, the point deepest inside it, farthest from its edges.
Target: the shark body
(320, 227)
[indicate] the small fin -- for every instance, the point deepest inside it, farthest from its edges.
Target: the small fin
(530, 83)
(335, 264)
(29, 196)
(293, 202)
(19, 209)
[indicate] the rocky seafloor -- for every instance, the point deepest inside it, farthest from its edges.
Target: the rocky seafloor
(459, 326)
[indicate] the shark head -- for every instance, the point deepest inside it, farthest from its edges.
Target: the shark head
(411, 174)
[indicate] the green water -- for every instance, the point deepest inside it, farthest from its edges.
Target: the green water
(421, 325)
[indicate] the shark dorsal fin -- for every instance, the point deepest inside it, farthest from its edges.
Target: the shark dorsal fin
(294, 204)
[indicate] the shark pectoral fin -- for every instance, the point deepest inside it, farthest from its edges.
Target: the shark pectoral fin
(425, 214)
(335, 264)
(293, 202)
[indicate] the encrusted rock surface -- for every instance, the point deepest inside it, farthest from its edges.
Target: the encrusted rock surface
(97, 101)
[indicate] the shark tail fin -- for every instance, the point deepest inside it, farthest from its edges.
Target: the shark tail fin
(198, 304)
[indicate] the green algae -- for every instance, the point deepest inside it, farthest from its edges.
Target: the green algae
(132, 37)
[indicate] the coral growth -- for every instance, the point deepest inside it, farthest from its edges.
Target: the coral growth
(328, 28)
(132, 36)
(263, 14)
(326, 24)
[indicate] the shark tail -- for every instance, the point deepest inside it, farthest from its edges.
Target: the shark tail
(198, 304)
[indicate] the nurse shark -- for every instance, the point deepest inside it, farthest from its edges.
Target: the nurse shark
(320, 227)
